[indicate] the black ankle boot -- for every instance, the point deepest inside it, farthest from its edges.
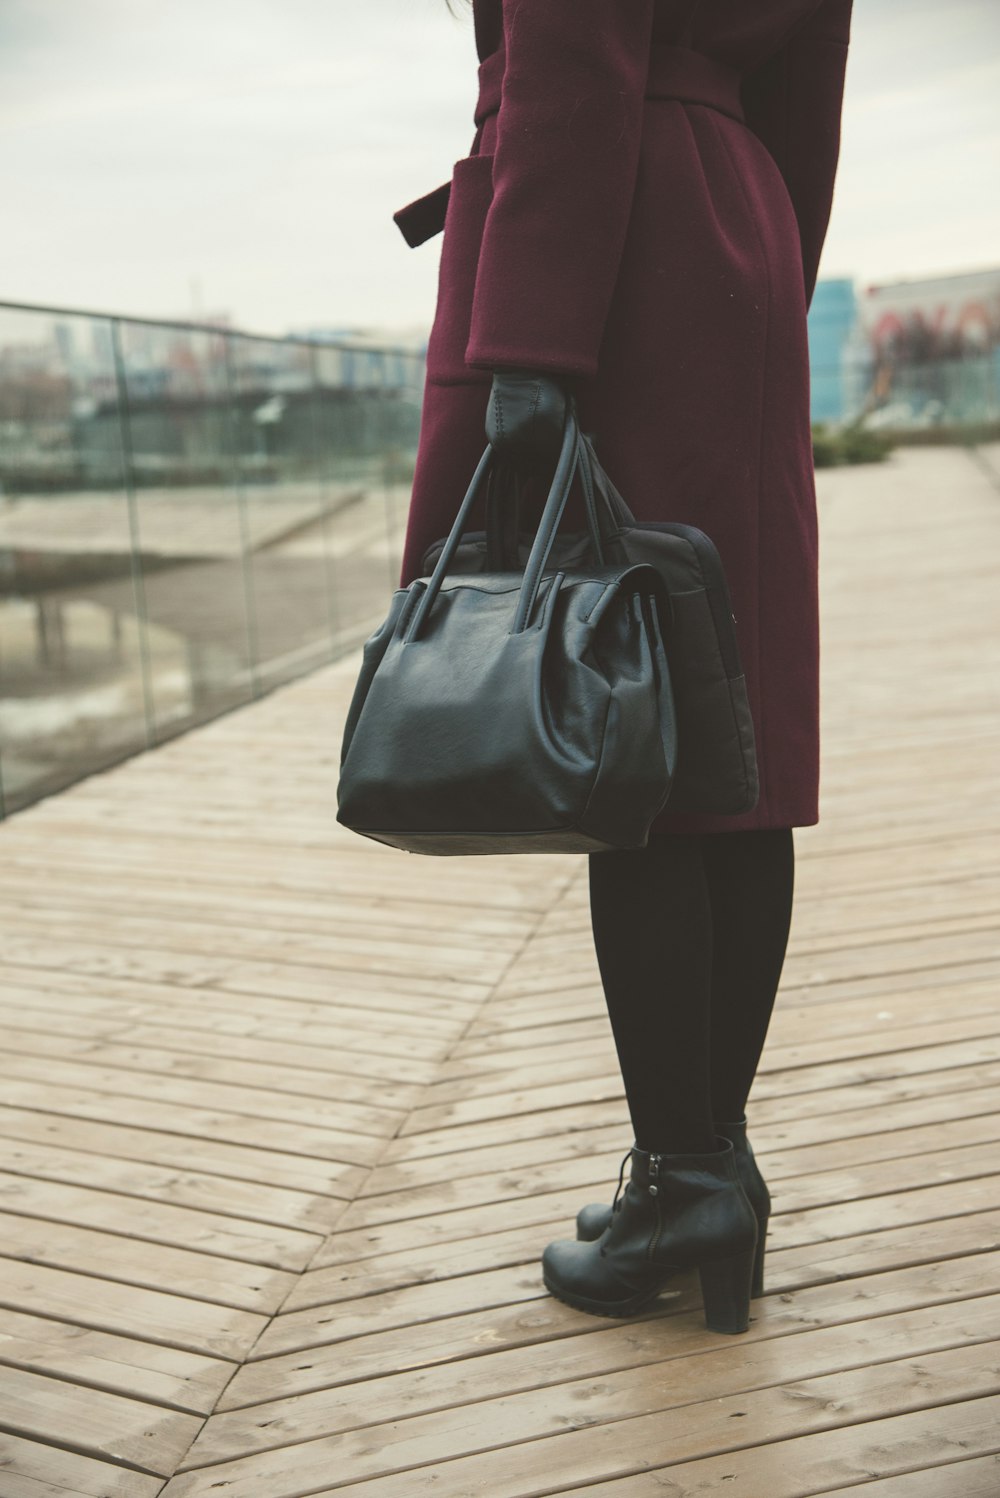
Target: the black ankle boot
(592, 1219)
(677, 1212)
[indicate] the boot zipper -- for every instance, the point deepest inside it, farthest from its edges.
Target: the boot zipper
(654, 1172)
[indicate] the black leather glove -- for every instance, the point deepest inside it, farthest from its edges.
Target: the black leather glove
(525, 416)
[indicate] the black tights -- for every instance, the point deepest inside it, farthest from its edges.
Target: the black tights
(690, 934)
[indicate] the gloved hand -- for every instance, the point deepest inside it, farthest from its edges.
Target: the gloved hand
(525, 415)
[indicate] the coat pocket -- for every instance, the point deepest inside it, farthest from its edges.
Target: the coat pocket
(468, 204)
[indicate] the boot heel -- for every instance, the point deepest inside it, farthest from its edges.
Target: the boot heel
(725, 1291)
(757, 1286)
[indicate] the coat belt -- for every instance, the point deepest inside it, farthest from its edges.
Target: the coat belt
(674, 73)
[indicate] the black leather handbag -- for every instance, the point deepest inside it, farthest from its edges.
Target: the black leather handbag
(514, 711)
(716, 768)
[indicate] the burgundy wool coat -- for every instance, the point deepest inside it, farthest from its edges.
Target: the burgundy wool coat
(642, 212)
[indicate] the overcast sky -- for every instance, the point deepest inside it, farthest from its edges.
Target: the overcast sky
(246, 156)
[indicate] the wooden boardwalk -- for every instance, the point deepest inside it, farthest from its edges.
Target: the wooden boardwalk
(288, 1117)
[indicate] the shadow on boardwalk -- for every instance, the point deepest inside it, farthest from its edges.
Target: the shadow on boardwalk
(288, 1117)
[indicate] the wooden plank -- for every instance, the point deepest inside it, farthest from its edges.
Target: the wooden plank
(976, 1477)
(833, 1114)
(775, 1081)
(511, 887)
(798, 1179)
(528, 1108)
(203, 1123)
(597, 1154)
(452, 1291)
(921, 950)
(34, 1470)
(964, 914)
(552, 1214)
(202, 1053)
(264, 1245)
(94, 1422)
(583, 1452)
(234, 975)
(860, 1179)
(381, 952)
(227, 1019)
(912, 1207)
(111, 1255)
(233, 1178)
(569, 1002)
(807, 1028)
(144, 1070)
(468, 922)
(788, 1266)
(424, 1417)
(323, 1112)
(590, 1035)
(808, 1464)
(292, 1016)
(276, 1366)
(844, 908)
(124, 1365)
(172, 1319)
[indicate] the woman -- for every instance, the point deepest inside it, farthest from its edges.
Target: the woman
(639, 221)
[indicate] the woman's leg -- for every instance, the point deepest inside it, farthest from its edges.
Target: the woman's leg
(750, 877)
(653, 936)
(685, 1204)
(681, 919)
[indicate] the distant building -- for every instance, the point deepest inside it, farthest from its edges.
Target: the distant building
(940, 317)
(935, 348)
(370, 358)
(919, 352)
(833, 318)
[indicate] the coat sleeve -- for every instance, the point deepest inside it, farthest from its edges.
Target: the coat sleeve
(792, 103)
(564, 167)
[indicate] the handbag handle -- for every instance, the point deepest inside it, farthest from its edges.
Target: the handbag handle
(562, 482)
(448, 550)
(606, 511)
(614, 509)
(554, 505)
(503, 519)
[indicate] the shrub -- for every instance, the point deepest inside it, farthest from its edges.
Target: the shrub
(852, 443)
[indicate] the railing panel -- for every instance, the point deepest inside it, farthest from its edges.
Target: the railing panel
(74, 684)
(178, 422)
(188, 516)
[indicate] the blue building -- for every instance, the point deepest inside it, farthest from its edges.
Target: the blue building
(833, 320)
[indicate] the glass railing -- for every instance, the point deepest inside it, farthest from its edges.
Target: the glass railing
(188, 517)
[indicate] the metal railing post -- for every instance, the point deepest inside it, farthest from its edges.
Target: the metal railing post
(135, 540)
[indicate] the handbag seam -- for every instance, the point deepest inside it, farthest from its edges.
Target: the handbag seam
(406, 612)
(600, 757)
(471, 588)
(608, 588)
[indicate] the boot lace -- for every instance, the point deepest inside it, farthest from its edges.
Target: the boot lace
(621, 1177)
